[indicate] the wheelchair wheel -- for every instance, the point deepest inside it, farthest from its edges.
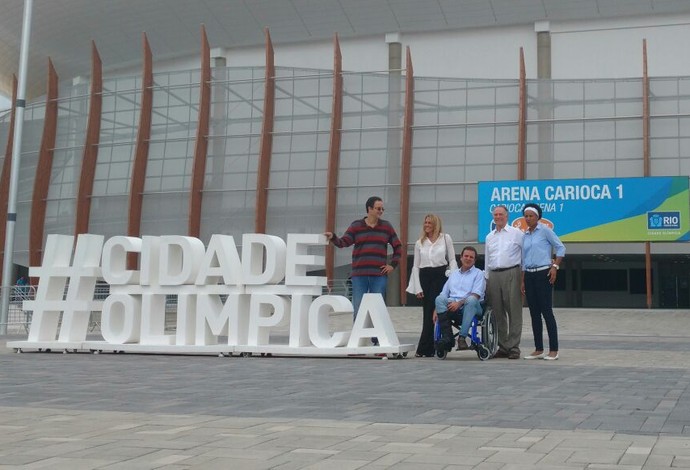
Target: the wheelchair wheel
(483, 353)
(441, 354)
(489, 334)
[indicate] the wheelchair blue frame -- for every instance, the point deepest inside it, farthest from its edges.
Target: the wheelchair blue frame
(483, 335)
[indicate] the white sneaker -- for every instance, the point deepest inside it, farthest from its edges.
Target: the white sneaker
(551, 358)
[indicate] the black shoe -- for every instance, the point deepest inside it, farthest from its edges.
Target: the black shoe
(462, 344)
(441, 345)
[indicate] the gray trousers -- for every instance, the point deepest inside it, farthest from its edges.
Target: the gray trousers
(504, 297)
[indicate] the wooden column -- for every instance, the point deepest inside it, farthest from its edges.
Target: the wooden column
(522, 119)
(5, 176)
(405, 167)
(201, 146)
(141, 151)
(266, 148)
(93, 134)
(44, 168)
(645, 110)
(646, 166)
(334, 154)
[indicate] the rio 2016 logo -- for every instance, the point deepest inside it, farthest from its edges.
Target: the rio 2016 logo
(663, 220)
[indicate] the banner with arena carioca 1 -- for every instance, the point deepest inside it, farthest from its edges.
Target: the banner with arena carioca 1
(595, 210)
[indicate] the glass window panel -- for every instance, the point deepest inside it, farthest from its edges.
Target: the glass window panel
(568, 151)
(506, 154)
(664, 166)
(629, 168)
(165, 213)
(599, 150)
(628, 128)
(109, 215)
(600, 169)
(664, 127)
(569, 170)
(631, 148)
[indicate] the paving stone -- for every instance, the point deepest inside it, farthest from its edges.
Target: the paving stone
(631, 410)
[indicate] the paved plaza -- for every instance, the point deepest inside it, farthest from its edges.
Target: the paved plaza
(619, 398)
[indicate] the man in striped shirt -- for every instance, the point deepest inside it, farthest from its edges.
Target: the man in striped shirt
(371, 237)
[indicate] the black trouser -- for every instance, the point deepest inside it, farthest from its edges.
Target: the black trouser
(539, 293)
(445, 323)
(432, 281)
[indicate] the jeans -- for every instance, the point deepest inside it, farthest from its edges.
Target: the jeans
(470, 309)
(367, 285)
(539, 293)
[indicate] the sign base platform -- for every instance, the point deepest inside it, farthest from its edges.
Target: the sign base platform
(96, 347)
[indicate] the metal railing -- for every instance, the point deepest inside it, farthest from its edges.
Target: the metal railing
(18, 319)
(339, 287)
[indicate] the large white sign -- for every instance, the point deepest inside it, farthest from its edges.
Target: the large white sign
(219, 295)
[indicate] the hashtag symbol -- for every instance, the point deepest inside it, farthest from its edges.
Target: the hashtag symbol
(57, 273)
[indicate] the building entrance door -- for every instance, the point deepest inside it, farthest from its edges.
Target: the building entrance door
(675, 290)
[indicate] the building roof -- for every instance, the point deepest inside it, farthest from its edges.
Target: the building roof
(63, 29)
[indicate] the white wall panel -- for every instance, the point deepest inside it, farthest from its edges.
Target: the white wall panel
(613, 48)
(474, 53)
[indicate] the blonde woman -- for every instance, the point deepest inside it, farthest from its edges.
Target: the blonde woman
(434, 258)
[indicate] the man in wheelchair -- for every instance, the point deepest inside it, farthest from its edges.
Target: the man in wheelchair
(460, 298)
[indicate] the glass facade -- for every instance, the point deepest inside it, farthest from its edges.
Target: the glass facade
(299, 162)
(584, 129)
(670, 126)
(369, 150)
(73, 106)
(119, 120)
(464, 131)
(237, 107)
(4, 131)
(171, 149)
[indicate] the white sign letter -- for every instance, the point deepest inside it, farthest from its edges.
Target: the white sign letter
(253, 246)
(319, 312)
(114, 260)
(373, 320)
(298, 258)
(121, 319)
(180, 258)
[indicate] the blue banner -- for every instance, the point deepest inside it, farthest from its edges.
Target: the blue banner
(595, 210)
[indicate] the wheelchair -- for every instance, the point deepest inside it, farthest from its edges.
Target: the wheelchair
(483, 335)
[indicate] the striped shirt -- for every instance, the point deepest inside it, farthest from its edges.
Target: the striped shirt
(371, 246)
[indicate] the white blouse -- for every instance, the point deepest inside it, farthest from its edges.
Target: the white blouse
(431, 255)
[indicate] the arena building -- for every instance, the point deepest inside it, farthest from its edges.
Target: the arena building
(282, 116)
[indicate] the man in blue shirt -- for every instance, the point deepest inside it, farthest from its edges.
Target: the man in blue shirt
(460, 298)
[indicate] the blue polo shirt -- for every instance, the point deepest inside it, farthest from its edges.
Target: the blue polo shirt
(538, 247)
